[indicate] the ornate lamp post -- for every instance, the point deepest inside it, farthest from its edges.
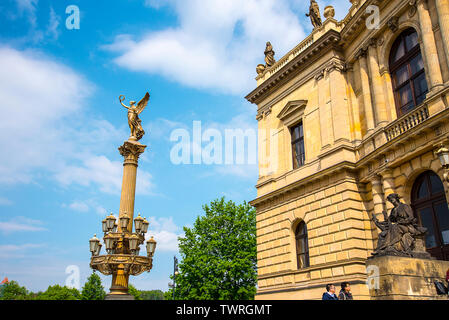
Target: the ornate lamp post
(122, 244)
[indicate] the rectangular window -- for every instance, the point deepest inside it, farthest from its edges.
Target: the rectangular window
(299, 156)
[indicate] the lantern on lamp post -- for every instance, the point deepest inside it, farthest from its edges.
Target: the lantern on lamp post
(94, 244)
(138, 223)
(145, 225)
(124, 220)
(110, 222)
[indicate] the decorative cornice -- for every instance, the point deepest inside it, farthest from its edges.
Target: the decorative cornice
(328, 41)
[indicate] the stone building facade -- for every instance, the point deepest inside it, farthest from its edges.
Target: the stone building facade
(350, 115)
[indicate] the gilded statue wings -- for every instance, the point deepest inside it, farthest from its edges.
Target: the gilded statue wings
(143, 103)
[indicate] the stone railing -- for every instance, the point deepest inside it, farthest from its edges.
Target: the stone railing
(307, 42)
(407, 122)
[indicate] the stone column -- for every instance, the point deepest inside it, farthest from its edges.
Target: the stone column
(378, 94)
(443, 17)
(356, 126)
(430, 48)
(389, 187)
(327, 137)
(130, 151)
(388, 89)
(339, 102)
(378, 196)
(366, 90)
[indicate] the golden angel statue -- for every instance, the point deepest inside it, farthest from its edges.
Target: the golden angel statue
(135, 124)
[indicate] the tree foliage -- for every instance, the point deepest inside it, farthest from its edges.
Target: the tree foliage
(57, 292)
(93, 289)
(134, 292)
(219, 254)
(13, 291)
(152, 295)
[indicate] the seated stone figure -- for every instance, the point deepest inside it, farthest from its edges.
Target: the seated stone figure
(399, 231)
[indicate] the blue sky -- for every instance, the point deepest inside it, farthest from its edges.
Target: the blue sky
(61, 123)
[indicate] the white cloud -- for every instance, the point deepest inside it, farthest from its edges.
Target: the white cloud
(79, 206)
(217, 45)
(20, 224)
(28, 7)
(43, 127)
(9, 251)
(165, 232)
(53, 24)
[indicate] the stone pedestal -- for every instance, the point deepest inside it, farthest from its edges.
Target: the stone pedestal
(119, 297)
(400, 278)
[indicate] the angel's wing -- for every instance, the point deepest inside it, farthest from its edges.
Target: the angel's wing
(143, 103)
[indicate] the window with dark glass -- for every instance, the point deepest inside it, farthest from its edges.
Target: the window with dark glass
(431, 208)
(302, 245)
(407, 72)
(299, 155)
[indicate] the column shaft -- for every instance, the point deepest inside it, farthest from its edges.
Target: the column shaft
(339, 102)
(366, 92)
(327, 137)
(131, 152)
(378, 196)
(378, 94)
(430, 48)
(128, 190)
(389, 187)
(443, 17)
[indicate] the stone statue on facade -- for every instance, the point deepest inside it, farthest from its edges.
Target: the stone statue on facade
(400, 234)
(134, 110)
(314, 14)
(269, 55)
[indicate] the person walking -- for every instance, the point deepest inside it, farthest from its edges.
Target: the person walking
(345, 292)
(330, 293)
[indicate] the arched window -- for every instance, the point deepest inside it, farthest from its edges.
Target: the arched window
(302, 245)
(431, 208)
(407, 72)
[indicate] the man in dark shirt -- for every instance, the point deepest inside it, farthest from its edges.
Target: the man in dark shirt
(330, 293)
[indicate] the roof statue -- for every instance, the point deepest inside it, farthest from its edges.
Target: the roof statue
(314, 14)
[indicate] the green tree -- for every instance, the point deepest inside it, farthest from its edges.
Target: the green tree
(152, 295)
(134, 292)
(57, 292)
(219, 255)
(13, 291)
(93, 289)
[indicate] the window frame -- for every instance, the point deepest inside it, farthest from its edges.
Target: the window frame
(301, 234)
(430, 201)
(296, 163)
(406, 60)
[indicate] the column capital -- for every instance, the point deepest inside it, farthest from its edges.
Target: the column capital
(361, 53)
(376, 180)
(131, 151)
(386, 173)
(336, 66)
